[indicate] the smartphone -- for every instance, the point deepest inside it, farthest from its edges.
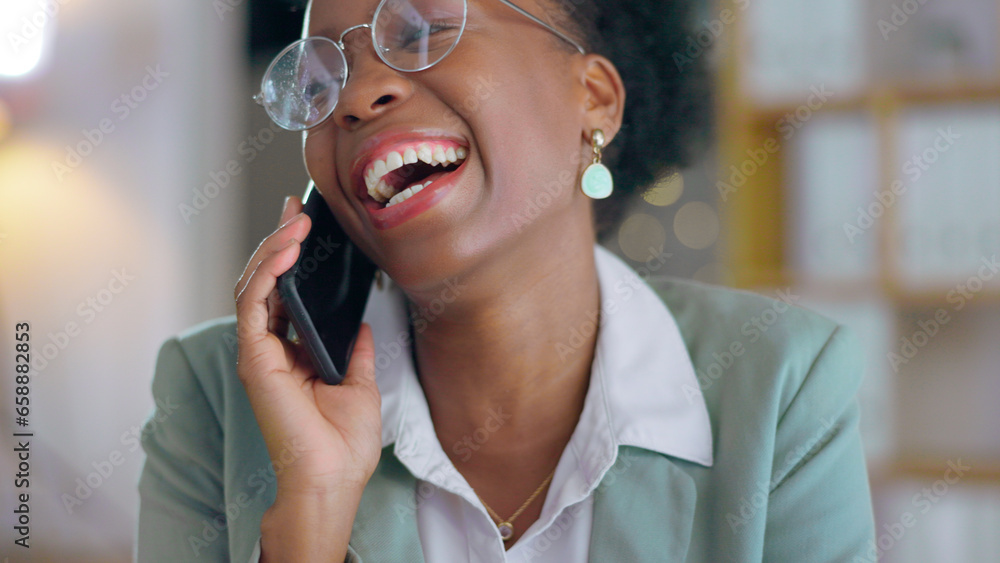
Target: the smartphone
(326, 290)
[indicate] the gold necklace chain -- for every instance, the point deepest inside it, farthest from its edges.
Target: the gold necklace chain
(506, 527)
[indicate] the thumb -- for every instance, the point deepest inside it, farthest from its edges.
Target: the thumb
(361, 367)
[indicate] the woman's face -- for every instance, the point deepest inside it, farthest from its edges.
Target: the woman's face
(507, 94)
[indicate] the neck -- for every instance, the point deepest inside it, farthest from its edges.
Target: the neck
(503, 382)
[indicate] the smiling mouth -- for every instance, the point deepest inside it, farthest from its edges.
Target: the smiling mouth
(410, 167)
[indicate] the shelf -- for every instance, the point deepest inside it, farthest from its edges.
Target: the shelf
(879, 95)
(926, 469)
(782, 227)
(937, 297)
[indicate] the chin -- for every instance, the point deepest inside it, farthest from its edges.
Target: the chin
(422, 268)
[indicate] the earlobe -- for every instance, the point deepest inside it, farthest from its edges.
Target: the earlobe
(604, 104)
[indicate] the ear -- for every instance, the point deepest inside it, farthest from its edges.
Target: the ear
(604, 97)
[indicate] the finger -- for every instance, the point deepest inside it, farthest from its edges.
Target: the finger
(291, 208)
(251, 303)
(284, 211)
(361, 367)
(276, 304)
(278, 321)
(297, 357)
(295, 228)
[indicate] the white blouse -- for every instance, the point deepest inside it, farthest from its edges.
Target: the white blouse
(643, 392)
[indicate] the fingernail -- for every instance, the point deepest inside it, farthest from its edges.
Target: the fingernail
(296, 218)
(284, 207)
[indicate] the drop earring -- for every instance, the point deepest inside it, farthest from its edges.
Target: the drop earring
(597, 182)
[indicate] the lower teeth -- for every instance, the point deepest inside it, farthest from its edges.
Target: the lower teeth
(399, 198)
(423, 184)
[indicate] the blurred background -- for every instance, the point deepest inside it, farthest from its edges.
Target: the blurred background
(856, 166)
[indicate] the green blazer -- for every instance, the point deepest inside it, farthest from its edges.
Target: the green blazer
(788, 482)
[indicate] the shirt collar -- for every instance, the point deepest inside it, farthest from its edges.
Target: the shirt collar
(639, 394)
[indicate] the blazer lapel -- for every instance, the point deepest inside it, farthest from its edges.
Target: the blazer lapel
(643, 509)
(385, 526)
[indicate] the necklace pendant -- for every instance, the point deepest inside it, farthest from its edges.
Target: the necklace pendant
(506, 530)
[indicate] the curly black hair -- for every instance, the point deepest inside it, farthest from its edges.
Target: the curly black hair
(668, 105)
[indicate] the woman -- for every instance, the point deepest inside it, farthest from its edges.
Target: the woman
(525, 395)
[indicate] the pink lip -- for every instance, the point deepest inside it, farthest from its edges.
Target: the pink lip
(381, 143)
(387, 217)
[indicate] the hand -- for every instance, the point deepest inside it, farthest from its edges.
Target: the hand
(332, 433)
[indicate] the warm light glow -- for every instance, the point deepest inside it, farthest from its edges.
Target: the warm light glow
(28, 29)
(58, 238)
(5, 119)
(666, 191)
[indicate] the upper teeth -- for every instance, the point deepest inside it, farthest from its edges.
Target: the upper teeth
(433, 154)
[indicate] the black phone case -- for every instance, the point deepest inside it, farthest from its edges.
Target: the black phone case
(326, 290)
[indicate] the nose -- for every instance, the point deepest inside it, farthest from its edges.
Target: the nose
(373, 88)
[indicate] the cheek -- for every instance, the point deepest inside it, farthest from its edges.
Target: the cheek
(533, 148)
(319, 160)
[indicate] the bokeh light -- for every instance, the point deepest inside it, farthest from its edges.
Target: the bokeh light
(696, 225)
(641, 237)
(28, 29)
(666, 190)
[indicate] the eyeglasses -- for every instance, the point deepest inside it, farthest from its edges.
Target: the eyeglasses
(302, 85)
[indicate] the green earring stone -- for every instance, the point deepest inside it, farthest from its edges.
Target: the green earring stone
(597, 182)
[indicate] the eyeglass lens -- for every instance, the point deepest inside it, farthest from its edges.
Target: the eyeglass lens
(302, 85)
